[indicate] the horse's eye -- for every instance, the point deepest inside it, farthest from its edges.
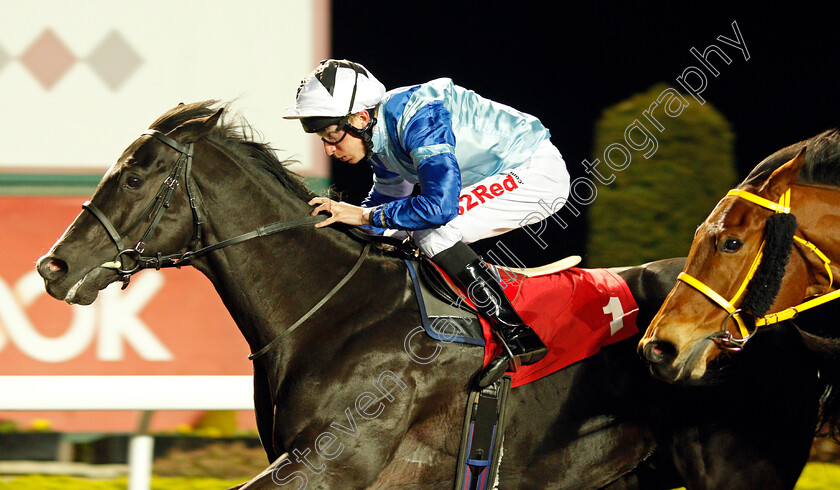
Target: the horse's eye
(133, 182)
(731, 245)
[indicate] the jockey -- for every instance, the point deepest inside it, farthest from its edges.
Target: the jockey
(482, 167)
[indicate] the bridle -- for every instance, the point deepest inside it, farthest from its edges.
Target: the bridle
(724, 337)
(155, 209)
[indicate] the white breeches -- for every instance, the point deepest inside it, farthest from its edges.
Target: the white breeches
(503, 202)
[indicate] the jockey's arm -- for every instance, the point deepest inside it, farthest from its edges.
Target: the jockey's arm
(430, 141)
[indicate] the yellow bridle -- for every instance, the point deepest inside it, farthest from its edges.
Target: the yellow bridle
(783, 206)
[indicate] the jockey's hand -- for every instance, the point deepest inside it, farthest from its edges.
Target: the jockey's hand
(340, 212)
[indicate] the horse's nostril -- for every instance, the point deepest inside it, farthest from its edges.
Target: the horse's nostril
(660, 352)
(52, 268)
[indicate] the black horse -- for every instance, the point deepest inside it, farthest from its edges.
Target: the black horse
(340, 386)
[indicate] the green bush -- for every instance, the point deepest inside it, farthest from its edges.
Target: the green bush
(652, 208)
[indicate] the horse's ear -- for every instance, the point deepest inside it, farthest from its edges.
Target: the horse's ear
(783, 177)
(196, 129)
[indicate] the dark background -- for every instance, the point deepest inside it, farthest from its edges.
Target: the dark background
(565, 63)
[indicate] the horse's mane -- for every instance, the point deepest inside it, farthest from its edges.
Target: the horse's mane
(236, 136)
(822, 161)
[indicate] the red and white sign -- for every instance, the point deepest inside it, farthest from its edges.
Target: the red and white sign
(168, 322)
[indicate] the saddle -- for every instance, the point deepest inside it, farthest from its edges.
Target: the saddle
(447, 314)
(575, 311)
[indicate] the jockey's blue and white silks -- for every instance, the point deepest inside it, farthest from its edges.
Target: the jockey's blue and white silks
(415, 142)
(484, 168)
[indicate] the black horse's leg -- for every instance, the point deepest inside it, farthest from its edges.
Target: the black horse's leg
(378, 424)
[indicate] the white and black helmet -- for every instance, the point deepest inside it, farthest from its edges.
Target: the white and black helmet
(333, 91)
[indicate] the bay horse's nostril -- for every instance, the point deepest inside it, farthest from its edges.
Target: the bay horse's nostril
(51, 268)
(660, 352)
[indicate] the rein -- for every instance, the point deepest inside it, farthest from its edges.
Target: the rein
(723, 337)
(161, 203)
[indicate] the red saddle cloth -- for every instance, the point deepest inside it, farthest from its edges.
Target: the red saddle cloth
(575, 312)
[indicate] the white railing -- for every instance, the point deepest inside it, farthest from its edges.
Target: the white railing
(141, 393)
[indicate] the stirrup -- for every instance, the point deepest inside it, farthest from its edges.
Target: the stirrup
(498, 366)
(532, 350)
(493, 372)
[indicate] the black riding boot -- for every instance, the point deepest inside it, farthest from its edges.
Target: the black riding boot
(520, 344)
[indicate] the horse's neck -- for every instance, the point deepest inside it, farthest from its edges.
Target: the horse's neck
(268, 283)
(817, 211)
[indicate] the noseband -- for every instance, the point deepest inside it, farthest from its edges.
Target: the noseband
(724, 337)
(155, 210)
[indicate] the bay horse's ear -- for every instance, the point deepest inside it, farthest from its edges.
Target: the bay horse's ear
(195, 129)
(783, 177)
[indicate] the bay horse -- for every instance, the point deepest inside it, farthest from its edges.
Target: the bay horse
(339, 401)
(771, 245)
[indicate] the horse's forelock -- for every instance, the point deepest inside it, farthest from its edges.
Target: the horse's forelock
(182, 113)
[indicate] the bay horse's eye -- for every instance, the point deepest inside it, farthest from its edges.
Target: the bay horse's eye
(133, 182)
(731, 245)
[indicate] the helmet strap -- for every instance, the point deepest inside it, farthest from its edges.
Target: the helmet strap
(365, 133)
